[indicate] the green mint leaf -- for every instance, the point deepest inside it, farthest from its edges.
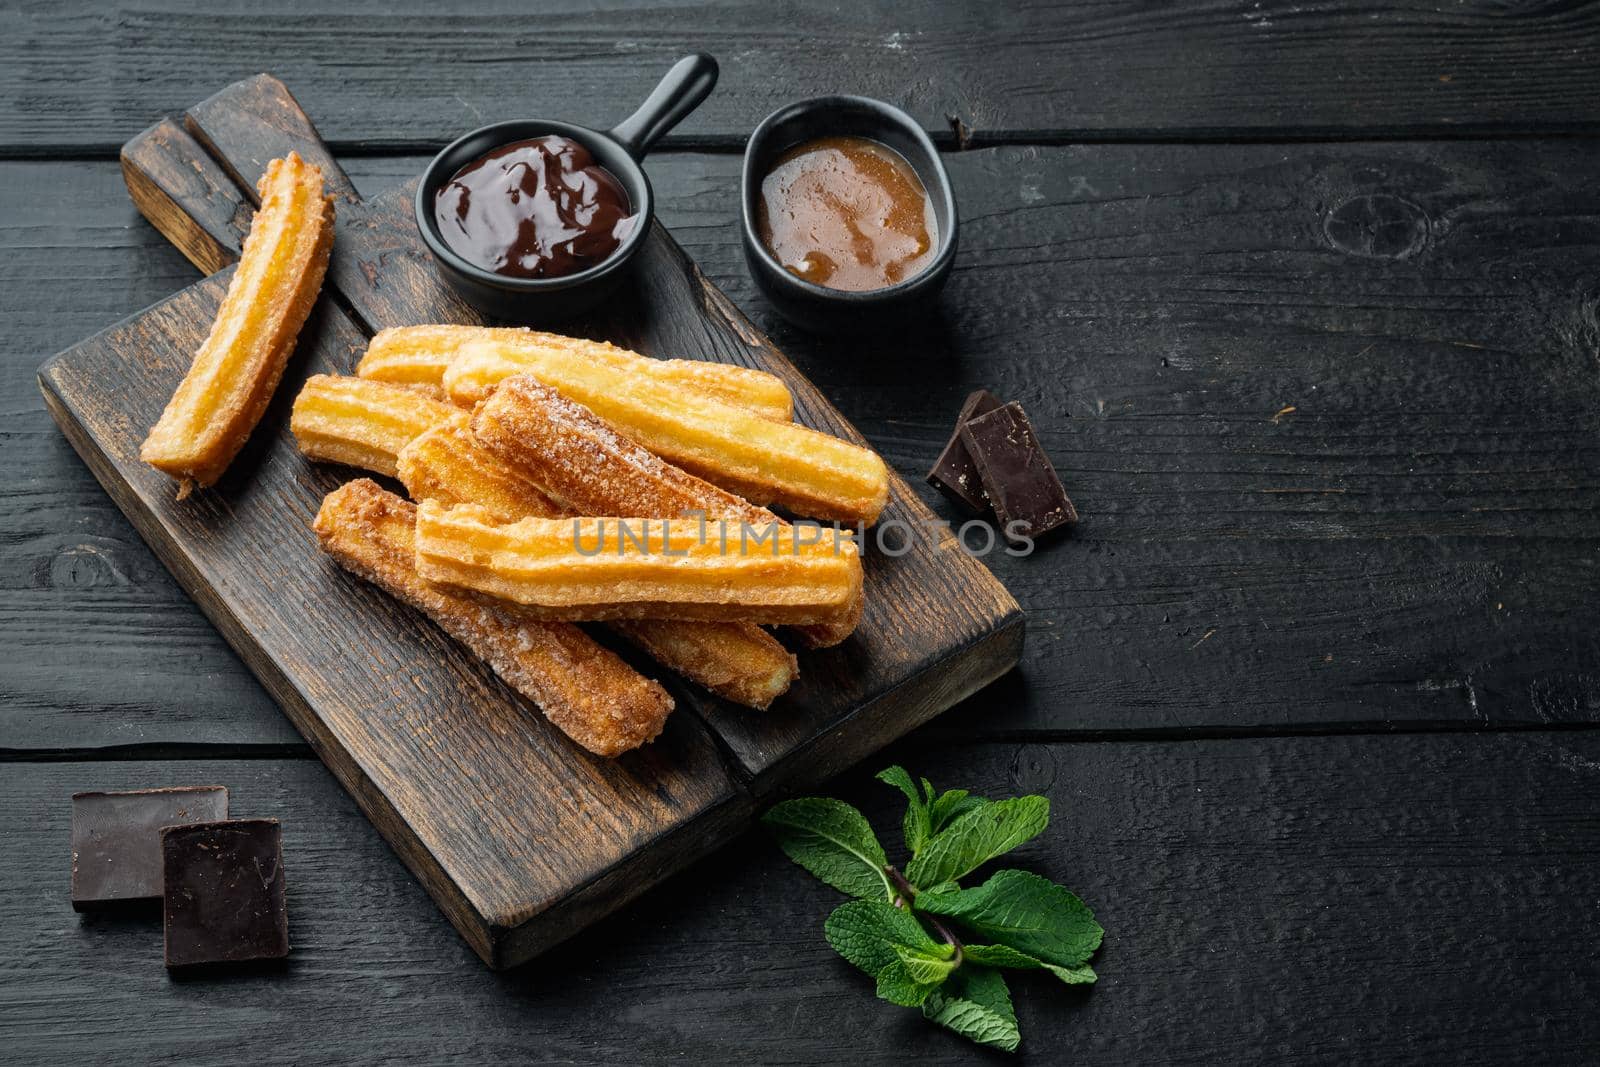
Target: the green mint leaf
(889, 944)
(1002, 956)
(898, 777)
(867, 932)
(898, 987)
(987, 831)
(833, 841)
(1025, 912)
(1082, 974)
(950, 806)
(916, 824)
(925, 967)
(976, 1004)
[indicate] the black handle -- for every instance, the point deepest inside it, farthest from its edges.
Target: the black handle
(685, 88)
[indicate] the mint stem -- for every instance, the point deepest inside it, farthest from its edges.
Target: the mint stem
(905, 893)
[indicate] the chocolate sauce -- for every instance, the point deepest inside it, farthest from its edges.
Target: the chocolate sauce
(534, 209)
(847, 213)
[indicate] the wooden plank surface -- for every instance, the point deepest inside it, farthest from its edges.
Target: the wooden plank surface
(1400, 898)
(1396, 899)
(404, 73)
(521, 837)
(1433, 539)
(936, 626)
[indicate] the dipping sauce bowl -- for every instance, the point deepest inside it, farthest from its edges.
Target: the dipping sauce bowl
(619, 151)
(817, 307)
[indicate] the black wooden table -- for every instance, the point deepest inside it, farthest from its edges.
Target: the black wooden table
(1303, 299)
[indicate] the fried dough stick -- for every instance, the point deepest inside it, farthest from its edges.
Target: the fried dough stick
(361, 423)
(591, 695)
(808, 472)
(738, 661)
(610, 568)
(420, 355)
(234, 373)
(392, 430)
(589, 469)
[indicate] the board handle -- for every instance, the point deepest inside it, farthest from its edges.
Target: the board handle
(196, 181)
(186, 195)
(254, 121)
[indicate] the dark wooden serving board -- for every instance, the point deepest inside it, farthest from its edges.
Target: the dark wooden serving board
(522, 837)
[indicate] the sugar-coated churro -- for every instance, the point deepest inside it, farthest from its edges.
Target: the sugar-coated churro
(610, 568)
(362, 423)
(586, 690)
(808, 472)
(447, 465)
(234, 373)
(738, 661)
(590, 469)
(421, 354)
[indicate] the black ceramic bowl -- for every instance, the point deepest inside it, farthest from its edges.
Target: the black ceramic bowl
(816, 307)
(535, 300)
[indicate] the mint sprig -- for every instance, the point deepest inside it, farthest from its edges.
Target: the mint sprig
(924, 939)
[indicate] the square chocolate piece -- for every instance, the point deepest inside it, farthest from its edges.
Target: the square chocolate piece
(224, 898)
(953, 473)
(1016, 474)
(116, 840)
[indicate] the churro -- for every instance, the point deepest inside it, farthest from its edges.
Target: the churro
(354, 421)
(420, 355)
(738, 661)
(806, 471)
(590, 469)
(447, 465)
(362, 423)
(233, 375)
(635, 568)
(587, 691)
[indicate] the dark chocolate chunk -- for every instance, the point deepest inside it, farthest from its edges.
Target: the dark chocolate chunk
(116, 840)
(224, 896)
(1016, 474)
(953, 473)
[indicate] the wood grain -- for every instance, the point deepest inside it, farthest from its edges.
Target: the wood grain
(1375, 900)
(522, 837)
(451, 777)
(1394, 899)
(1454, 502)
(163, 168)
(403, 73)
(254, 121)
(937, 626)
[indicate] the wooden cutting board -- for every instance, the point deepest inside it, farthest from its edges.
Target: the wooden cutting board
(522, 837)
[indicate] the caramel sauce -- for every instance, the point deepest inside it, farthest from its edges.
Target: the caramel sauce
(534, 209)
(847, 213)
